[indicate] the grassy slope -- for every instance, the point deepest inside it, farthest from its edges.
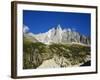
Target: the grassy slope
(36, 53)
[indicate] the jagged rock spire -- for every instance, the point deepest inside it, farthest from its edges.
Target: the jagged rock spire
(59, 26)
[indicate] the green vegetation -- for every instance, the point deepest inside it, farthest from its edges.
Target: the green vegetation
(37, 52)
(72, 52)
(34, 54)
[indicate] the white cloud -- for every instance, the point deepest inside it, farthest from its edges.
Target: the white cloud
(30, 34)
(25, 29)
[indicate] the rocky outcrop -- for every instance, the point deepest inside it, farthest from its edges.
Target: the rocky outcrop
(59, 35)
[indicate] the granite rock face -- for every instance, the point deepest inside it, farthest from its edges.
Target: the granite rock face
(59, 35)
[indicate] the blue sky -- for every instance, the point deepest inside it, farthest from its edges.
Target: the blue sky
(42, 21)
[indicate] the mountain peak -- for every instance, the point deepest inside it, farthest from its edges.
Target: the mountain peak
(59, 26)
(59, 35)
